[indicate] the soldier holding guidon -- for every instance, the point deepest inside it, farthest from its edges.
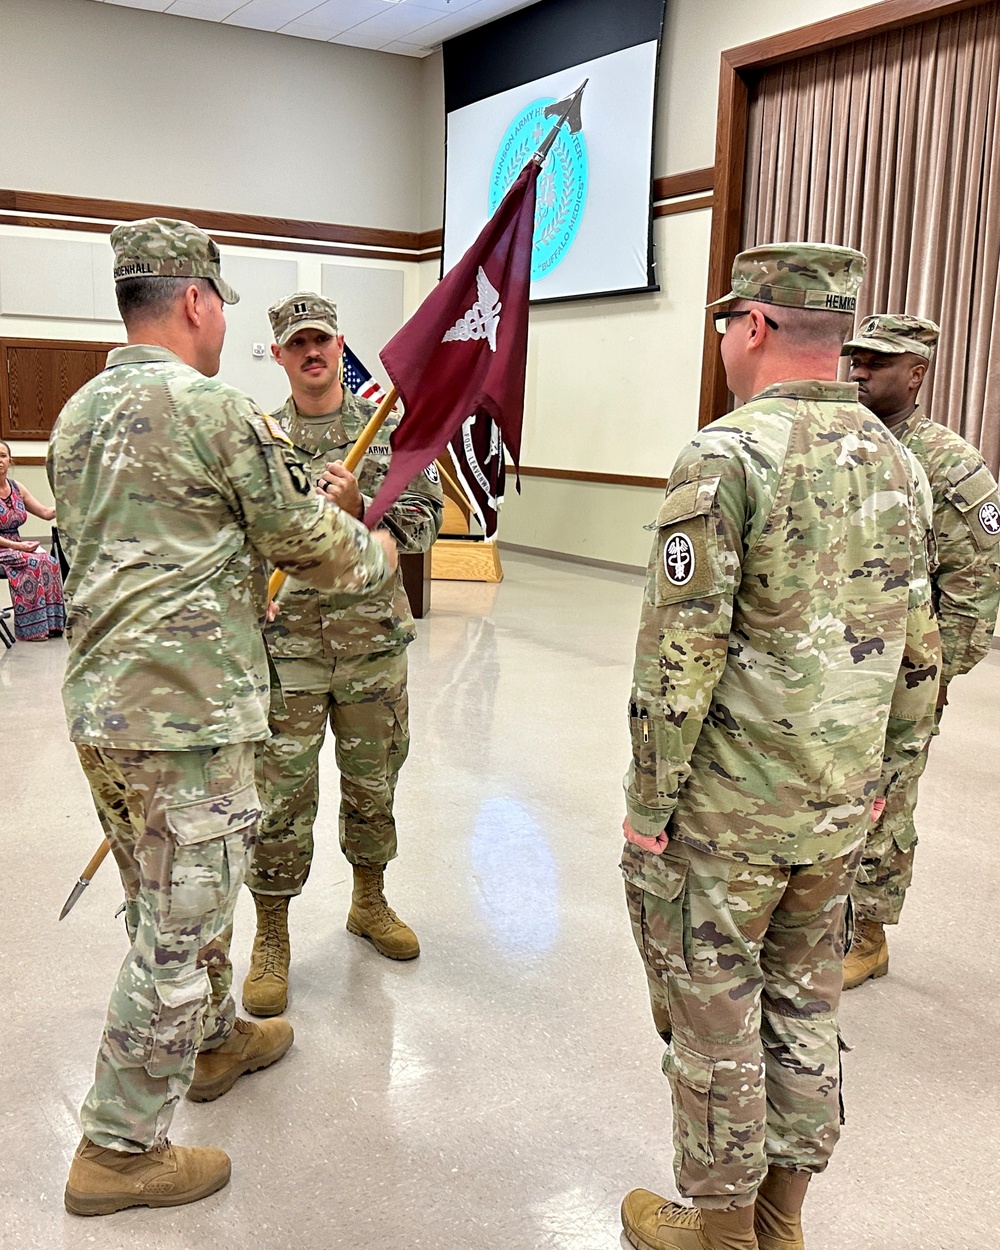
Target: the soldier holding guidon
(172, 490)
(338, 659)
(787, 639)
(890, 357)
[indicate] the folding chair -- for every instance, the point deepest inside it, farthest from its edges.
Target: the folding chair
(5, 635)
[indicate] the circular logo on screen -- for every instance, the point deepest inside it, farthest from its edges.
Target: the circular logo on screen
(562, 184)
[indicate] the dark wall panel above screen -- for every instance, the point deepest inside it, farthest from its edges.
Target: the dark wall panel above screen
(540, 40)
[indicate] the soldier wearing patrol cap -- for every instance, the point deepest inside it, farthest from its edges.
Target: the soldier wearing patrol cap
(172, 490)
(338, 660)
(765, 692)
(890, 356)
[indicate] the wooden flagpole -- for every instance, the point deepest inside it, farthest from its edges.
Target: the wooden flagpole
(351, 462)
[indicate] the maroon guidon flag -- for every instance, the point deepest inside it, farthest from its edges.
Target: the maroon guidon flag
(464, 351)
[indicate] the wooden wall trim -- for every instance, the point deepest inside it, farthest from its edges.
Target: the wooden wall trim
(233, 223)
(42, 209)
(36, 461)
(691, 181)
(602, 479)
(834, 32)
(738, 68)
(683, 206)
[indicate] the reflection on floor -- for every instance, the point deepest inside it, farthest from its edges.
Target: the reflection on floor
(503, 1091)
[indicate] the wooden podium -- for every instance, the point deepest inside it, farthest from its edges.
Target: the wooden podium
(458, 555)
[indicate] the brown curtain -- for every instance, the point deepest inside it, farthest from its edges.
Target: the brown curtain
(892, 145)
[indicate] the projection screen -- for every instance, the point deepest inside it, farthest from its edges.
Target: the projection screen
(593, 220)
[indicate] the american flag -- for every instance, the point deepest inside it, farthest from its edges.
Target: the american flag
(476, 450)
(358, 380)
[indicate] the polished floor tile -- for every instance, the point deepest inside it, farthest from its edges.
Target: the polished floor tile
(503, 1091)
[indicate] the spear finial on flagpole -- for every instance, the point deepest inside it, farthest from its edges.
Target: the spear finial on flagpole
(567, 110)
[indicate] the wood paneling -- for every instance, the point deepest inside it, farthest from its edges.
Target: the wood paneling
(37, 376)
(738, 68)
(688, 183)
(415, 570)
(601, 479)
(235, 223)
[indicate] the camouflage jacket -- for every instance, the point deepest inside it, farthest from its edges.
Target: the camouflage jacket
(787, 634)
(965, 570)
(314, 624)
(171, 491)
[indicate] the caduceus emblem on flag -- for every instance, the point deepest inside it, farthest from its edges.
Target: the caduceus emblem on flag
(483, 319)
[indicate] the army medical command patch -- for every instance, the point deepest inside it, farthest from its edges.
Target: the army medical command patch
(685, 568)
(989, 518)
(679, 559)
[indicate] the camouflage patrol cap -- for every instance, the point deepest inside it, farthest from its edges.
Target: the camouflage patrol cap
(895, 333)
(819, 276)
(160, 247)
(304, 310)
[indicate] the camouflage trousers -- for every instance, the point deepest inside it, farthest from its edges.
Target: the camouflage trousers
(365, 701)
(744, 964)
(181, 825)
(887, 862)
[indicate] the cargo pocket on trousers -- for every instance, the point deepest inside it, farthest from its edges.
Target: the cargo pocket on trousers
(177, 1026)
(690, 1076)
(212, 838)
(654, 888)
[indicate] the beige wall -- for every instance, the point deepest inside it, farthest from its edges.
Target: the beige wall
(613, 384)
(127, 104)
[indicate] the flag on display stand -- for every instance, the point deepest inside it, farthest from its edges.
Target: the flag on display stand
(476, 450)
(463, 353)
(358, 380)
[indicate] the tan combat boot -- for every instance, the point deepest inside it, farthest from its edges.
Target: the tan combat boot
(652, 1223)
(778, 1210)
(868, 956)
(265, 990)
(248, 1048)
(102, 1181)
(371, 916)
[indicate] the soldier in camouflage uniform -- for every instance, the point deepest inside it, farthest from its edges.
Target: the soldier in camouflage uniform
(172, 490)
(890, 357)
(338, 659)
(786, 638)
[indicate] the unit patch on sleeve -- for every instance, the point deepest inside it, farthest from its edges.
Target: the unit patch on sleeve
(679, 558)
(989, 518)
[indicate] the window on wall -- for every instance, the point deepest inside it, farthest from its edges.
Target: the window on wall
(37, 376)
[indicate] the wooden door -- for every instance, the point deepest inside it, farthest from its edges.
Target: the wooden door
(37, 376)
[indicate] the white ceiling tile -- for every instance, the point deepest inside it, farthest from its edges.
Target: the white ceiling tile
(405, 27)
(356, 38)
(396, 22)
(335, 16)
(444, 28)
(443, 7)
(155, 6)
(209, 10)
(269, 14)
(407, 49)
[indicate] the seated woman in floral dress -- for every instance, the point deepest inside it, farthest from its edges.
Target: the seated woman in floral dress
(35, 585)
